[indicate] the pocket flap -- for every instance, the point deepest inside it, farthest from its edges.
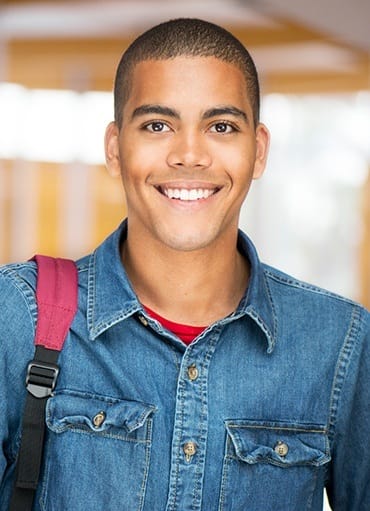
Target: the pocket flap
(98, 413)
(279, 443)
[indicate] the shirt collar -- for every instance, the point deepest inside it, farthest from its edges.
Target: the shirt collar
(111, 298)
(257, 301)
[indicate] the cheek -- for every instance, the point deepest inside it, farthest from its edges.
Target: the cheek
(237, 155)
(139, 160)
(132, 163)
(239, 167)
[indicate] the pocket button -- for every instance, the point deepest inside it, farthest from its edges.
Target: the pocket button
(281, 449)
(99, 419)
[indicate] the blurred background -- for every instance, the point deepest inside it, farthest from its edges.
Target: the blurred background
(309, 214)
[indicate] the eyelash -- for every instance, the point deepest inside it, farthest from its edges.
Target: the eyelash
(149, 127)
(227, 124)
(151, 123)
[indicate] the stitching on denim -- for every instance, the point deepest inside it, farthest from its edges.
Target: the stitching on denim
(225, 474)
(148, 450)
(322, 431)
(275, 320)
(91, 292)
(139, 422)
(176, 445)
(276, 463)
(85, 430)
(260, 322)
(342, 367)
(203, 426)
(174, 354)
(314, 484)
(99, 328)
(306, 286)
(90, 395)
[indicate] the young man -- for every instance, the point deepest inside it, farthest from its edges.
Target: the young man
(193, 377)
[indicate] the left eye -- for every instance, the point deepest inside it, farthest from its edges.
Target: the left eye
(157, 127)
(222, 127)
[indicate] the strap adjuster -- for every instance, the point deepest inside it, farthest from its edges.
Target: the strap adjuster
(41, 378)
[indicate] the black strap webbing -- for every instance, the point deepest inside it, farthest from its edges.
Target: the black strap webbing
(42, 372)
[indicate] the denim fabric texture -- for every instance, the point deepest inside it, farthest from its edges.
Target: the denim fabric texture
(275, 407)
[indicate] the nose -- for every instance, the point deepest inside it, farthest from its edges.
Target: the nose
(189, 150)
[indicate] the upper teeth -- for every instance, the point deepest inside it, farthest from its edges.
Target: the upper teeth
(185, 194)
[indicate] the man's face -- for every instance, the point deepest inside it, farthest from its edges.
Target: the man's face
(187, 151)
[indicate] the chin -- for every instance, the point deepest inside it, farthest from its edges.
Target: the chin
(187, 242)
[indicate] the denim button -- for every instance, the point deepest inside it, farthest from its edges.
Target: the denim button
(143, 320)
(281, 449)
(193, 372)
(99, 419)
(190, 448)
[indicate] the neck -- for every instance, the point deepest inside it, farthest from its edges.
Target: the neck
(195, 288)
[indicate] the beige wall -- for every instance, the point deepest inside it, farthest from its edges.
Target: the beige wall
(63, 210)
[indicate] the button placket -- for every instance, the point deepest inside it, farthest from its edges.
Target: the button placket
(191, 425)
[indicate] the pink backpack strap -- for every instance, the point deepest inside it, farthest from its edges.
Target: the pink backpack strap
(56, 296)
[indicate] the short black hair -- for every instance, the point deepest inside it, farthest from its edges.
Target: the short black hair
(184, 37)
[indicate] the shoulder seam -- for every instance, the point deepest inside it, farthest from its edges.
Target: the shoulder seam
(343, 361)
(305, 286)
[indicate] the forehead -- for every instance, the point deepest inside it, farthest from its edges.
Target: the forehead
(187, 82)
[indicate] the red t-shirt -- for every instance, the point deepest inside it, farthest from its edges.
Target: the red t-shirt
(187, 333)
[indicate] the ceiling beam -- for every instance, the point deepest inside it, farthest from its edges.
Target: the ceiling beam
(83, 64)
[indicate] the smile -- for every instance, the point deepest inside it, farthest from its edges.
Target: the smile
(186, 194)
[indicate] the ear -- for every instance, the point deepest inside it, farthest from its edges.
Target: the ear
(262, 147)
(111, 146)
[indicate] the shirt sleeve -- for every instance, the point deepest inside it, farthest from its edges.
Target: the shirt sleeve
(17, 322)
(349, 483)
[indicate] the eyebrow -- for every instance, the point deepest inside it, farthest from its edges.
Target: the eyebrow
(170, 112)
(224, 110)
(155, 109)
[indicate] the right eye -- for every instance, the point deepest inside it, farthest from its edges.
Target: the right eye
(156, 127)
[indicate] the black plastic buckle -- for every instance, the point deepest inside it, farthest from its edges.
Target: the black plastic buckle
(41, 378)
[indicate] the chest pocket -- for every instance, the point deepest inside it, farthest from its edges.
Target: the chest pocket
(272, 466)
(96, 454)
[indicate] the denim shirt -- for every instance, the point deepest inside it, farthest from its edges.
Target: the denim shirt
(262, 411)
